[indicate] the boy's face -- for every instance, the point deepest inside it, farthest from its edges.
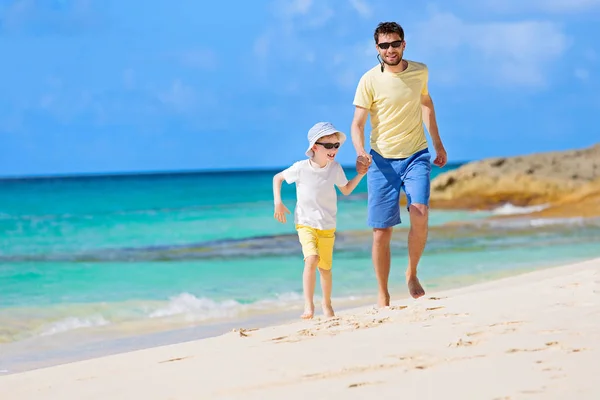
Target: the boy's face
(322, 152)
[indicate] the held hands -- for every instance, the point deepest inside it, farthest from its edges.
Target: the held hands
(363, 161)
(280, 211)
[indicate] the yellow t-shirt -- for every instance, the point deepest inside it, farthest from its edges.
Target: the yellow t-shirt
(394, 103)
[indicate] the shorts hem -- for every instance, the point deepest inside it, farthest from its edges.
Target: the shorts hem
(383, 225)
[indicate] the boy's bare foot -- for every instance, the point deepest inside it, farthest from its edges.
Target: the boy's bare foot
(328, 310)
(414, 287)
(384, 300)
(309, 311)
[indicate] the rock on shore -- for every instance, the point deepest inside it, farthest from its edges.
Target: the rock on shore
(555, 178)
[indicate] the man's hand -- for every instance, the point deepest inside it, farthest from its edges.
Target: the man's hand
(441, 156)
(280, 211)
(363, 161)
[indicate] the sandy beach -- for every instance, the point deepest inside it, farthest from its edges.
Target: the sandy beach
(535, 335)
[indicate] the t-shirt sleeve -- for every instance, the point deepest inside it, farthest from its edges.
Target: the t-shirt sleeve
(425, 89)
(364, 93)
(340, 176)
(292, 174)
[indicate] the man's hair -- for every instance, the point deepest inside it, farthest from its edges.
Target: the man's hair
(386, 28)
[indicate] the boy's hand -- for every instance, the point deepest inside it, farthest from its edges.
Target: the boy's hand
(280, 211)
(362, 164)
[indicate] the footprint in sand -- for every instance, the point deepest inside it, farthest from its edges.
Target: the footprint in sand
(174, 359)
(461, 343)
(473, 334)
(548, 345)
(243, 331)
(355, 385)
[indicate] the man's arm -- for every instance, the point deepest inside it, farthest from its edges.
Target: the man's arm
(431, 125)
(358, 130)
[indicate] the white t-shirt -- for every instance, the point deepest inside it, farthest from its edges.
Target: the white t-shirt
(316, 204)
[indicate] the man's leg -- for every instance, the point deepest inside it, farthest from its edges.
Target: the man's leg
(417, 237)
(383, 184)
(417, 188)
(382, 259)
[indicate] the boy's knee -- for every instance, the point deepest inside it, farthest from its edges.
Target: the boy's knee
(325, 272)
(312, 261)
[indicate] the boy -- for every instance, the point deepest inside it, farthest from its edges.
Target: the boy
(316, 207)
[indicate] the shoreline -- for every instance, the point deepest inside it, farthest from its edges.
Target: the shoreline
(537, 328)
(45, 352)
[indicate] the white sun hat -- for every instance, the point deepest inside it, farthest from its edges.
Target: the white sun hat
(319, 130)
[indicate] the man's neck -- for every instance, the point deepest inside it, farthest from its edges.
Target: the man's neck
(397, 68)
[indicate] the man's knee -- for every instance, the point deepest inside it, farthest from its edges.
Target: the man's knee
(382, 235)
(419, 214)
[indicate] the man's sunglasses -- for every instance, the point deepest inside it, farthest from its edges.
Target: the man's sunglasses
(386, 45)
(329, 146)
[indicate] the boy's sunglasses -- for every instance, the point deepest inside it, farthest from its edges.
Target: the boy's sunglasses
(386, 45)
(329, 146)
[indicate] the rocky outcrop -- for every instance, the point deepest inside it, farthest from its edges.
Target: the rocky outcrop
(583, 202)
(542, 178)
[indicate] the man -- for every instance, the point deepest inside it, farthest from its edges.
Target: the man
(395, 95)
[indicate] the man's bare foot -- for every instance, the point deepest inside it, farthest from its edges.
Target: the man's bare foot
(383, 300)
(328, 310)
(309, 311)
(414, 287)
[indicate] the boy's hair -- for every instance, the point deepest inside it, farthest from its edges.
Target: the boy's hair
(386, 28)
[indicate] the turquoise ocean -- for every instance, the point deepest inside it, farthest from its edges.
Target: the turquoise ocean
(91, 265)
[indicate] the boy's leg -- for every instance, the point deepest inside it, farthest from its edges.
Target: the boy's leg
(326, 284)
(309, 241)
(383, 183)
(417, 187)
(325, 247)
(309, 278)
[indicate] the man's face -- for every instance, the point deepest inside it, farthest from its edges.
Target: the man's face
(389, 54)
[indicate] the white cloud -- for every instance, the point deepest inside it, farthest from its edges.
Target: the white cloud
(53, 17)
(498, 53)
(292, 21)
(590, 55)
(129, 78)
(179, 96)
(293, 8)
(547, 6)
(261, 46)
(582, 74)
(362, 8)
(199, 58)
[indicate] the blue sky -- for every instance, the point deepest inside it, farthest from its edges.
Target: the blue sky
(113, 85)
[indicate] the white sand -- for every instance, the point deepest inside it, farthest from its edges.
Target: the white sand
(531, 336)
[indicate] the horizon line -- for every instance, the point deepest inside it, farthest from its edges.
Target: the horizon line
(111, 174)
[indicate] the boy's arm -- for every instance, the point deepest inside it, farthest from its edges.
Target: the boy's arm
(280, 208)
(351, 185)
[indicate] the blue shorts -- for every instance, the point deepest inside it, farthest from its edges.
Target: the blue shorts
(385, 179)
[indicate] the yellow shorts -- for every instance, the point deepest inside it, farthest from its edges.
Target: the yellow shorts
(317, 242)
